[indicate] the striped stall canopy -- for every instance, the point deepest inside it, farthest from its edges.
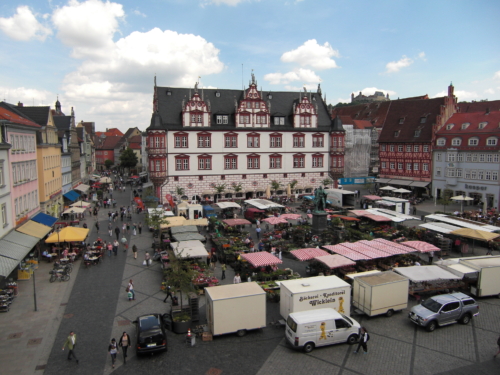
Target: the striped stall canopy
(421, 246)
(261, 259)
(308, 253)
(335, 261)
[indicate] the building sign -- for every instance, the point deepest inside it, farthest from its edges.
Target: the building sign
(475, 187)
(326, 298)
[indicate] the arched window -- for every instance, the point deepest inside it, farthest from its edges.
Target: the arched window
(441, 142)
(491, 141)
(473, 141)
(456, 141)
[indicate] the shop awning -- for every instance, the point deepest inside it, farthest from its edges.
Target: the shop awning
(71, 195)
(75, 210)
(366, 250)
(16, 245)
(188, 236)
(80, 204)
(439, 227)
(426, 273)
(421, 246)
(385, 248)
(263, 204)
(197, 222)
(391, 244)
(261, 259)
(95, 177)
(7, 265)
(234, 222)
(32, 228)
(383, 180)
(228, 205)
(44, 219)
(184, 229)
(348, 253)
(174, 221)
(308, 253)
(401, 182)
(420, 183)
(68, 234)
(83, 188)
(335, 261)
(372, 197)
(189, 249)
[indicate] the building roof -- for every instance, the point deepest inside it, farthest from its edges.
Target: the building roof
(375, 112)
(11, 116)
(406, 116)
(62, 122)
(109, 143)
(129, 132)
(492, 121)
(357, 124)
(135, 139)
(493, 105)
(169, 115)
(39, 114)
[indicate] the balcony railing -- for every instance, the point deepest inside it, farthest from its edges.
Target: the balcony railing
(156, 150)
(157, 174)
(337, 149)
(335, 170)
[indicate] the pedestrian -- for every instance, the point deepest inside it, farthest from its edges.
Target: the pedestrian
(363, 340)
(223, 268)
(113, 350)
(128, 228)
(134, 229)
(257, 231)
(414, 210)
(213, 260)
(131, 288)
(110, 248)
(237, 279)
(124, 344)
(261, 246)
(97, 226)
(431, 256)
(147, 259)
(134, 250)
(71, 343)
(140, 228)
(117, 232)
(498, 352)
(110, 229)
(490, 248)
(124, 243)
(115, 247)
(124, 229)
(169, 294)
(208, 258)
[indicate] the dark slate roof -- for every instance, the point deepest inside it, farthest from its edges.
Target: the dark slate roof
(40, 115)
(412, 111)
(493, 105)
(169, 114)
(374, 112)
(337, 125)
(110, 143)
(62, 122)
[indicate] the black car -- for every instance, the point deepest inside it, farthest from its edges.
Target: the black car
(151, 337)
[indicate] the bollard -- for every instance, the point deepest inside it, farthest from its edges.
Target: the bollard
(190, 340)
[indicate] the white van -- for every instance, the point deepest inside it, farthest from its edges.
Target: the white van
(309, 329)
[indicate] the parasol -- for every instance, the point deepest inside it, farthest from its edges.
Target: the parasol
(388, 188)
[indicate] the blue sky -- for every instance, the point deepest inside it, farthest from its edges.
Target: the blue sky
(100, 57)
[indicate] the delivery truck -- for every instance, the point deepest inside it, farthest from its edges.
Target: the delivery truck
(380, 293)
(488, 275)
(235, 308)
(338, 198)
(314, 293)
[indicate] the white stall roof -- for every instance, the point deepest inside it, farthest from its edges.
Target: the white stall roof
(439, 227)
(463, 223)
(263, 204)
(352, 276)
(461, 269)
(395, 200)
(394, 216)
(426, 273)
(159, 211)
(189, 249)
(228, 205)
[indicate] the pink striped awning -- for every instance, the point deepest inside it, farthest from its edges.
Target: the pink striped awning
(275, 220)
(233, 222)
(398, 246)
(377, 217)
(383, 247)
(372, 197)
(261, 259)
(309, 253)
(335, 261)
(421, 246)
(291, 216)
(366, 250)
(348, 253)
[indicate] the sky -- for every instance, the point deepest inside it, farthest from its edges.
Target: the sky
(101, 57)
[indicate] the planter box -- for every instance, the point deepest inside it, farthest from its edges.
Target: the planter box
(180, 327)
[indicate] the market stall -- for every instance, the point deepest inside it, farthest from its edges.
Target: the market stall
(261, 259)
(421, 246)
(189, 250)
(424, 279)
(188, 236)
(308, 253)
(236, 222)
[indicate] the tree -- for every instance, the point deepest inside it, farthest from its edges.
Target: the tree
(237, 187)
(293, 184)
(156, 220)
(108, 163)
(327, 182)
(275, 186)
(179, 191)
(180, 275)
(445, 198)
(220, 188)
(128, 158)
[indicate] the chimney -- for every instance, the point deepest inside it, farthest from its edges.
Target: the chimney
(487, 111)
(19, 104)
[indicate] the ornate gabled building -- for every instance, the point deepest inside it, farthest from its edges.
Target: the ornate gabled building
(202, 138)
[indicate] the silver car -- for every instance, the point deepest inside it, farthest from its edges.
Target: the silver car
(444, 309)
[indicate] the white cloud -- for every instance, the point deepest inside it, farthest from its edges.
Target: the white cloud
(312, 54)
(422, 56)
(396, 66)
(137, 12)
(308, 86)
(489, 91)
(28, 96)
(24, 26)
(461, 95)
(304, 75)
(496, 75)
(221, 2)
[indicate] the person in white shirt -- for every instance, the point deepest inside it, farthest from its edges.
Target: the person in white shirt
(237, 279)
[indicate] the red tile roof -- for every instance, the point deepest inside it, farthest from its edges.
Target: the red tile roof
(474, 119)
(493, 105)
(109, 143)
(5, 114)
(373, 112)
(135, 139)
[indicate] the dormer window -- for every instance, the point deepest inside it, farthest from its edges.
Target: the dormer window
(474, 141)
(491, 141)
(401, 120)
(465, 125)
(222, 119)
(441, 142)
(217, 94)
(456, 142)
(482, 125)
(279, 120)
(449, 126)
(269, 96)
(417, 133)
(396, 133)
(423, 120)
(169, 93)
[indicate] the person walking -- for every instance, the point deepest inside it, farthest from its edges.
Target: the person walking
(97, 226)
(110, 229)
(134, 229)
(109, 248)
(115, 247)
(140, 228)
(363, 340)
(237, 279)
(169, 294)
(124, 229)
(124, 343)
(134, 250)
(113, 351)
(71, 343)
(257, 231)
(213, 260)
(223, 268)
(124, 243)
(128, 228)
(131, 288)
(117, 232)
(431, 256)
(147, 258)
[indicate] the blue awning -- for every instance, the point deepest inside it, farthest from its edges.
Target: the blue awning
(44, 219)
(72, 195)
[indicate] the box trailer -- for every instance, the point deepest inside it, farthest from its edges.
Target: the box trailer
(235, 308)
(341, 198)
(488, 278)
(380, 293)
(315, 293)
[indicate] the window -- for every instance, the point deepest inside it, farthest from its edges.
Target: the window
(438, 156)
(473, 174)
(450, 172)
(245, 119)
(261, 119)
(222, 119)
(391, 165)
(275, 161)
(298, 140)
(2, 178)
(317, 161)
(459, 172)
(451, 306)
(197, 119)
(408, 166)
(491, 141)
(382, 148)
(482, 125)
(396, 134)
(474, 141)
(253, 162)
(253, 141)
(391, 148)
(181, 140)
(181, 163)
(416, 148)
(423, 120)
(279, 120)
(489, 158)
(425, 167)
(408, 148)
(305, 120)
(465, 125)
(415, 166)
(417, 133)
(449, 126)
(204, 141)
(494, 176)
(384, 165)
(426, 148)
(451, 157)
(230, 162)
(487, 175)
(400, 148)
(400, 166)
(401, 120)
(4, 214)
(275, 140)
(217, 94)
(204, 162)
(456, 142)
(441, 142)
(480, 175)
(230, 140)
(481, 158)
(298, 161)
(317, 140)
(438, 172)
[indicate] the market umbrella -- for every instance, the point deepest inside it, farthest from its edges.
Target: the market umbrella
(80, 204)
(75, 210)
(105, 180)
(335, 261)
(401, 190)
(68, 234)
(234, 222)
(261, 259)
(288, 190)
(388, 188)
(461, 198)
(475, 234)
(308, 253)
(275, 220)
(268, 192)
(291, 216)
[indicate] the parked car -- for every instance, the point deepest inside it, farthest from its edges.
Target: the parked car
(444, 309)
(150, 333)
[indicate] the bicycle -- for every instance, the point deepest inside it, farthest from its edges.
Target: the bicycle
(61, 276)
